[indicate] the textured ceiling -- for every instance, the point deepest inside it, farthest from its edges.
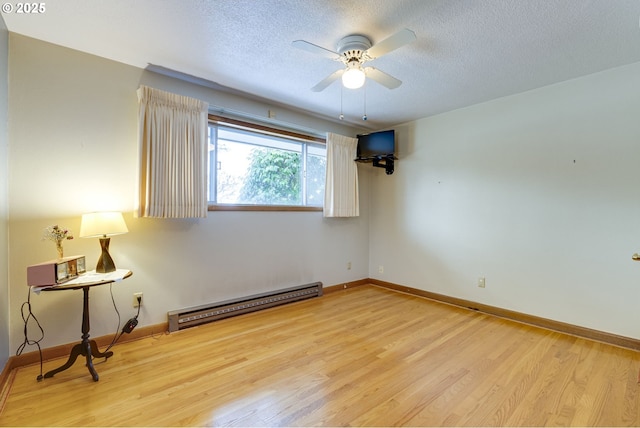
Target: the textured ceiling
(466, 52)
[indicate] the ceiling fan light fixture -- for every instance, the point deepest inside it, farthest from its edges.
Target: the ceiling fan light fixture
(353, 78)
(354, 51)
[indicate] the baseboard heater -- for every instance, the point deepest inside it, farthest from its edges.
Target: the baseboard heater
(202, 314)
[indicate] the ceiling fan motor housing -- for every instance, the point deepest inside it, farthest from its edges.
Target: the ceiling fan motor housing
(352, 48)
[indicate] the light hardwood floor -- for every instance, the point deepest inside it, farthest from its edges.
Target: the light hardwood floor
(365, 356)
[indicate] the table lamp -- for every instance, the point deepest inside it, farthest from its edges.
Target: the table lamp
(103, 225)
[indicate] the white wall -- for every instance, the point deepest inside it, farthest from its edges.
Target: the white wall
(73, 140)
(537, 192)
(4, 201)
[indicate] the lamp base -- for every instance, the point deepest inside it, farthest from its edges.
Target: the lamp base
(105, 262)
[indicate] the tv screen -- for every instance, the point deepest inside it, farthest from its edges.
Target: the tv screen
(376, 144)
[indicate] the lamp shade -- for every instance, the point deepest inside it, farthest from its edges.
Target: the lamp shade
(102, 224)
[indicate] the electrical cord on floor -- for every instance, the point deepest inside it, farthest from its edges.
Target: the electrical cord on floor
(116, 336)
(26, 317)
(128, 326)
(133, 322)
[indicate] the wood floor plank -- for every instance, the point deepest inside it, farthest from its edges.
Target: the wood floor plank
(365, 356)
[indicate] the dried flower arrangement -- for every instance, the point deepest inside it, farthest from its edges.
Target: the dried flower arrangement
(57, 234)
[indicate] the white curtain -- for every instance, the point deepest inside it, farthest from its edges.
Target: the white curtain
(341, 185)
(173, 155)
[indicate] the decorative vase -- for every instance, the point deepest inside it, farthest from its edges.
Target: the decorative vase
(60, 249)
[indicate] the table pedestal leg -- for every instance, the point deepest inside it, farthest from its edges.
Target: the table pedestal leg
(87, 348)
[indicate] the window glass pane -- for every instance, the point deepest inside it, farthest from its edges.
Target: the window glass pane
(257, 169)
(316, 166)
(273, 178)
(211, 167)
(232, 167)
(248, 137)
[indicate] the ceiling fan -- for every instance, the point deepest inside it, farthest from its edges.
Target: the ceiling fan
(355, 50)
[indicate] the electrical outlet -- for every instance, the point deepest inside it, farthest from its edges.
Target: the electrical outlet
(380, 269)
(348, 265)
(481, 283)
(135, 299)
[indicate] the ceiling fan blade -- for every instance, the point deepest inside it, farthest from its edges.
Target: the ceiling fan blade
(382, 78)
(327, 81)
(315, 49)
(391, 43)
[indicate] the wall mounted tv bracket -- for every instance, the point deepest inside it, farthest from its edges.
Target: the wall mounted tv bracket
(388, 164)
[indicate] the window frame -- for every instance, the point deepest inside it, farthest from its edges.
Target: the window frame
(266, 130)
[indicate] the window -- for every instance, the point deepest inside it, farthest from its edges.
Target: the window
(253, 167)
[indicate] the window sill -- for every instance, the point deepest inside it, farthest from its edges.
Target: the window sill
(233, 207)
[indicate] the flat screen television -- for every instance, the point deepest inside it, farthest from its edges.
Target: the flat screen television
(376, 144)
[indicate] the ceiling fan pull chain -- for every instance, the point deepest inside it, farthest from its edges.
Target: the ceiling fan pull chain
(364, 108)
(341, 95)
